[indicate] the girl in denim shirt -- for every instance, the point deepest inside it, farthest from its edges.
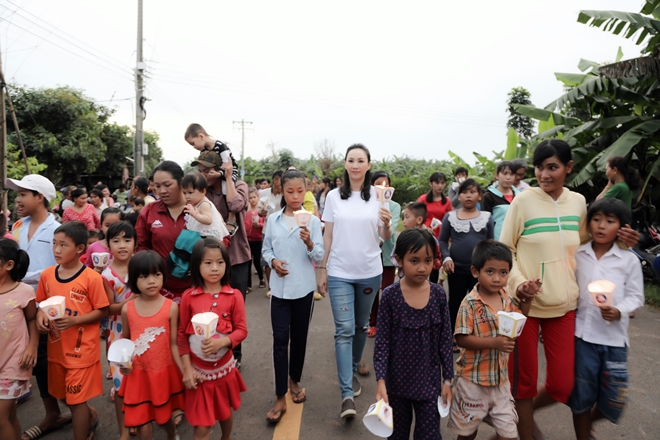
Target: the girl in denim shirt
(289, 250)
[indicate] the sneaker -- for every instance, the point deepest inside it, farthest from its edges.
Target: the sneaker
(357, 388)
(348, 408)
(317, 296)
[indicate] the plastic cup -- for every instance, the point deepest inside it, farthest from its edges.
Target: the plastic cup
(379, 419)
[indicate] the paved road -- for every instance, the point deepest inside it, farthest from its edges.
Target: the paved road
(318, 418)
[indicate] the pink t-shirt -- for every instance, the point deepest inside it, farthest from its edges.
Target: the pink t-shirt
(97, 246)
(14, 336)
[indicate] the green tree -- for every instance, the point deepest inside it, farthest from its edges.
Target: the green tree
(622, 100)
(155, 153)
(68, 131)
(523, 125)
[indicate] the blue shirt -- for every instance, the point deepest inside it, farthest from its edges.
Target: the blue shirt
(283, 244)
(39, 249)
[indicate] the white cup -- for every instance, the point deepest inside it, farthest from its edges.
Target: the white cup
(100, 259)
(379, 419)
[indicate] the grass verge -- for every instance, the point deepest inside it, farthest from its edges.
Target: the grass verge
(652, 294)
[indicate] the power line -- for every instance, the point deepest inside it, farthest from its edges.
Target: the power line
(67, 50)
(108, 59)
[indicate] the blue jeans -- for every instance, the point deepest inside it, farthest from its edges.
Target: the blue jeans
(351, 302)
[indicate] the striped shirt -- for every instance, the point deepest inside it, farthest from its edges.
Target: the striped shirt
(475, 317)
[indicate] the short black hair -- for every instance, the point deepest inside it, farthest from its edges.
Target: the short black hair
(610, 206)
(197, 256)
(46, 202)
(195, 181)
(276, 175)
(97, 193)
(412, 240)
(137, 200)
(121, 227)
(504, 165)
(144, 263)
(418, 209)
(93, 234)
(470, 183)
(460, 170)
(378, 174)
(122, 186)
(132, 217)
(9, 251)
(75, 230)
(518, 164)
(487, 250)
(552, 147)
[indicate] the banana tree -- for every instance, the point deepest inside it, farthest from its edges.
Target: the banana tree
(619, 104)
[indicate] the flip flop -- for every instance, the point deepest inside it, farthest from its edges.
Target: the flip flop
(278, 418)
(178, 418)
(296, 399)
(92, 429)
(262, 284)
(35, 432)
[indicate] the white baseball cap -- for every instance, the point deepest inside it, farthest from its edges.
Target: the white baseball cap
(33, 182)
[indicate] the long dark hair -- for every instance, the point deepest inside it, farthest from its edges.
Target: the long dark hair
(630, 174)
(9, 251)
(436, 177)
(289, 175)
(345, 189)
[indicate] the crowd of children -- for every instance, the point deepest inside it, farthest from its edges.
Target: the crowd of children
(417, 325)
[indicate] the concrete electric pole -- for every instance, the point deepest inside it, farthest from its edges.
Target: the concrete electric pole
(242, 122)
(139, 101)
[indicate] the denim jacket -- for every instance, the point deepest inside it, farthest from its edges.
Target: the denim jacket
(282, 244)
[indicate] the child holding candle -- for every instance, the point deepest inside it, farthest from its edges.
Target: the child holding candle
(481, 388)
(601, 331)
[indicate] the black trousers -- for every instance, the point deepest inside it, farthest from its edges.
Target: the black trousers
(239, 280)
(40, 370)
(290, 319)
(459, 286)
(255, 248)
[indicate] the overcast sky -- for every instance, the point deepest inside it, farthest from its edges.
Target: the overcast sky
(417, 77)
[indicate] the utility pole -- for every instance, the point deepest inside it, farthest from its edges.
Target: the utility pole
(3, 141)
(139, 101)
(242, 122)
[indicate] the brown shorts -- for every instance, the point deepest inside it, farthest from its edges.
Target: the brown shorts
(75, 385)
(473, 404)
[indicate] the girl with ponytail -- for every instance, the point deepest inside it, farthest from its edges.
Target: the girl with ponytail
(18, 334)
(622, 180)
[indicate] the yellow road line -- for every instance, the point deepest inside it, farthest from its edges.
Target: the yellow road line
(289, 426)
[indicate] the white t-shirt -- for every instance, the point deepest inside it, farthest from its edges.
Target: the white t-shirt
(273, 200)
(355, 250)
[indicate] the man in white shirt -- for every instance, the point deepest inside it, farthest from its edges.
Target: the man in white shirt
(34, 233)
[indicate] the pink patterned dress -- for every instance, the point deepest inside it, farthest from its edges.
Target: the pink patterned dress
(122, 292)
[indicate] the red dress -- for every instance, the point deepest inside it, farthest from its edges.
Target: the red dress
(222, 387)
(155, 386)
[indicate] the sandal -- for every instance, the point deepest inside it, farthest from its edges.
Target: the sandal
(262, 284)
(295, 396)
(91, 432)
(35, 432)
(456, 348)
(178, 419)
(277, 419)
(371, 333)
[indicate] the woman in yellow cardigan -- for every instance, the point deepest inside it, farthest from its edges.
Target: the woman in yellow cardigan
(544, 227)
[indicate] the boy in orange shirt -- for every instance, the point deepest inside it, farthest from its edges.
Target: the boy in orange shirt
(74, 365)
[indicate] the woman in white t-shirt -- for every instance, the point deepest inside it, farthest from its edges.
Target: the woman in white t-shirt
(351, 269)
